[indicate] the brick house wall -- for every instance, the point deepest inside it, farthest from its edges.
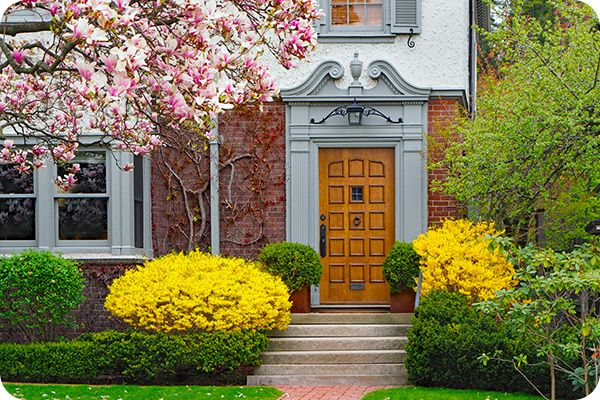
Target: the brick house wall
(441, 113)
(252, 186)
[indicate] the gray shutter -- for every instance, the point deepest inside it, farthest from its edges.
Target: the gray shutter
(406, 15)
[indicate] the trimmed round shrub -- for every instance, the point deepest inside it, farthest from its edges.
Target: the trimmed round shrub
(38, 292)
(401, 267)
(297, 264)
(199, 292)
(457, 257)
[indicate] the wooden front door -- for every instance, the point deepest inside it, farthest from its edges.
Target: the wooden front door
(356, 201)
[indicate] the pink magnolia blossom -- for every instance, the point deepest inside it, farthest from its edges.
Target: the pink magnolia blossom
(134, 68)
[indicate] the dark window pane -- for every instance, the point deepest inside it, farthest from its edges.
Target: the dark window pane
(13, 181)
(92, 176)
(82, 219)
(357, 193)
(17, 219)
(138, 201)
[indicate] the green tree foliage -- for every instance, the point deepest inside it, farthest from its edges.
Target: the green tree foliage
(534, 142)
(555, 308)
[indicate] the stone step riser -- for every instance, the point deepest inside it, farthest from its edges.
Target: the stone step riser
(350, 318)
(327, 380)
(337, 343)
(330, 369)
(342, 330)
(338, 357)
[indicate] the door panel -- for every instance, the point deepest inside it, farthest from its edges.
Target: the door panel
(356, 198)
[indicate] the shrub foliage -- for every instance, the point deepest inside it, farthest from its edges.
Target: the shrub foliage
(297, 264)
(457, 257)
(199, 292)
(401, 267)
(38, 292)
(131, 357)
(447, 339)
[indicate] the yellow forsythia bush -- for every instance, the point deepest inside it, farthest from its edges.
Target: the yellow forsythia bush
(456, 257)
(198, 291)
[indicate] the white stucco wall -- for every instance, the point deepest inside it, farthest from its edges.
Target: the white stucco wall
(439, 60)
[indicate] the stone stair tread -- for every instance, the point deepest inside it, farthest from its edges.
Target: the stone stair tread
(321, 380)
(331, 369)
(295, 352)
(342, 338)
(351, 318)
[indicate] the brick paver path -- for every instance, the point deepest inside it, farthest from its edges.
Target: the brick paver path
(327, 392)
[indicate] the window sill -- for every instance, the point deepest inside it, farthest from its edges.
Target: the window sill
(356, 37)
(106, 259)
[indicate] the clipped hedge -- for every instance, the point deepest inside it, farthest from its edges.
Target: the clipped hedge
(132, 357)
(447, 337)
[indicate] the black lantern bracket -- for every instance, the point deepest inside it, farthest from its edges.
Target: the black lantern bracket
(356, 109)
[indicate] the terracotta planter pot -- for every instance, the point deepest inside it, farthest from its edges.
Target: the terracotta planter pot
(403, 302)
(301, 300)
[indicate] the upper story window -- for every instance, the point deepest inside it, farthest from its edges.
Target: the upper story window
(367, 14)
(106, 211)
(346, 20)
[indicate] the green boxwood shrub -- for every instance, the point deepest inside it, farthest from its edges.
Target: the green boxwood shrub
(447, 337)
(132, 357)
(401, 267)
(38, 292)
(72, 362)
(297, 264)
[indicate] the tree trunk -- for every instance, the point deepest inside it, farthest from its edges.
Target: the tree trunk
(551, 362)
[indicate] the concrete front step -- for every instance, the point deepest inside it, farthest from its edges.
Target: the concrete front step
(335, 357)
(330, 369)
(337, 343)
(327, 380)
(312, 330)
(351, 318)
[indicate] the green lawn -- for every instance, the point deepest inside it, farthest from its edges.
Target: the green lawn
(419, 393)
(118, 392)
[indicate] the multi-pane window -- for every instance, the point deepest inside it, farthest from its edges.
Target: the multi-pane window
(83, 210)
(17, 204)
(352, 19)
(105, 211)
(365, 13)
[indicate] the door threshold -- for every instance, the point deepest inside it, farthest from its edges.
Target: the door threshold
(350, 308)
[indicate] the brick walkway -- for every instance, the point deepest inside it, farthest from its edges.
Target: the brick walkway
(327, 392)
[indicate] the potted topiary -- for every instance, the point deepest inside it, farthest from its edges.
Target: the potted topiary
(298, 265)
(400, 269)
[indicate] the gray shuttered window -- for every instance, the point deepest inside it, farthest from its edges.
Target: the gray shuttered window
(398, 17)
(406, 15)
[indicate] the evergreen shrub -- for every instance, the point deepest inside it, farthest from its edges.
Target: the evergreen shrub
(448, 336)
(132, 357)
(39, 291)
(401, 267)
(297, 264)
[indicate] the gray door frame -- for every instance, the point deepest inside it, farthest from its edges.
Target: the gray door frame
(317, 97)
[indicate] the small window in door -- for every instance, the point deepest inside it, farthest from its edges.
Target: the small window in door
(356, 194)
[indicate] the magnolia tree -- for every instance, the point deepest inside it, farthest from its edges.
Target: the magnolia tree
(126, 69)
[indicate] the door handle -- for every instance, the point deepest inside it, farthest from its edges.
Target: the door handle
(323, 241)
